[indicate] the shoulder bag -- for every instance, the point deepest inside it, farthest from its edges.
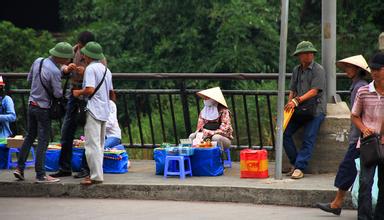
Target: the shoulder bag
(371, 150)
(57, 109)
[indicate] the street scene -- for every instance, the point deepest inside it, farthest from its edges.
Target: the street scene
(260, 109)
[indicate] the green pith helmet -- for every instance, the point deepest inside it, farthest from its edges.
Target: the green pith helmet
(62, 50)
(93, 50)
(304, 46)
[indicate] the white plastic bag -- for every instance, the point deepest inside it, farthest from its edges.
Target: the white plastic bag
(356, 186)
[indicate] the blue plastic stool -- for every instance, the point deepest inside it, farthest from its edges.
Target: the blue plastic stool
(28, 163)
(182, 171)
(228, 161)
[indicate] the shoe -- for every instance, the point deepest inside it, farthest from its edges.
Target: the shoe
(19, 174)
(47, 179)
(327, 208)
(61, 174)
(297, 174)
(290, 172)
(83, 173)
(87, 181)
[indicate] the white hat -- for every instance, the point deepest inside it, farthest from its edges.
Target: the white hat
(357, 60)
(215, 94)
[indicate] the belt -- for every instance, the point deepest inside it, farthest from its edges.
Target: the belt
(33, 103)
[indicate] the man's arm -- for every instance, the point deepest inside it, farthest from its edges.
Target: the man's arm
(85, 92)
(356, 120)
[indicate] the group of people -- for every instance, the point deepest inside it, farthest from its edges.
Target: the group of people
(91, 85)
(91, 89)
(308, 98)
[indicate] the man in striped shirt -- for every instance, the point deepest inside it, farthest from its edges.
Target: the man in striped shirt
(368, 115)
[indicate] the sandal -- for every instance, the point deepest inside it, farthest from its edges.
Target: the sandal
(87, 181)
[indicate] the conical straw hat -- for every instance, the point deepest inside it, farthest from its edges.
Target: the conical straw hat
(1, 81)
(357, 60)
(215, 94)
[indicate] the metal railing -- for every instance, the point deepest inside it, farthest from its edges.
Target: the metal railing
(149, 117)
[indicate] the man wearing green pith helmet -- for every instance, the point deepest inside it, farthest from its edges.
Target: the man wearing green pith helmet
(97, 88)
(45, 72)
(307, 97)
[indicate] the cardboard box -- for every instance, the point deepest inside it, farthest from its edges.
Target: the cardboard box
(15, 142)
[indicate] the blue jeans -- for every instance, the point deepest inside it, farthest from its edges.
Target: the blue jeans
(111, 142)
(39, 125)
(347, 172)
(300, 159)
(364, 211)
(68, 134)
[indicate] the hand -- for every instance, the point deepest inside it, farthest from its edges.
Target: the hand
(70, 68)
(367, 131)
(76, 93)
(289, 106)
(80, 70)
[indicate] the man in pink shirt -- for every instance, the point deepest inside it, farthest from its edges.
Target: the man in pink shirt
(367, 115)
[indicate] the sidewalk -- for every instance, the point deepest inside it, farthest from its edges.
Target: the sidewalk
(142, 183)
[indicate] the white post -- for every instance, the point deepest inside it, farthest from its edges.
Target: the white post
(328, 44)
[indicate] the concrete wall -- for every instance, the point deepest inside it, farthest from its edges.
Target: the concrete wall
(332, 141)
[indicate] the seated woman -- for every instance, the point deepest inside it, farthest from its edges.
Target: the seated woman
(214, 119)
(112, 128)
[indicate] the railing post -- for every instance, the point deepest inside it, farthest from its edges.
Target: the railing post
(185, 105)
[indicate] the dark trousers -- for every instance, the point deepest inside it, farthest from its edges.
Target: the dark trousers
(68, 134)
(364, 211)
(347, 172)
(300, 158)
(39, 125)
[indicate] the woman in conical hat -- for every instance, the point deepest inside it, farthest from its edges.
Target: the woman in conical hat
(214, 119)
(356, 68)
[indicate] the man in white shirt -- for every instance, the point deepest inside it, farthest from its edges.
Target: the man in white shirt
(97, 86)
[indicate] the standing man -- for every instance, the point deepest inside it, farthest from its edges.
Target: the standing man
(47, 72)
(70, 119)
(97, 86)
(368, 115)
(307, 89)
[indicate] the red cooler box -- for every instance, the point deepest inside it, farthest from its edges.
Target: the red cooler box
(253, 163)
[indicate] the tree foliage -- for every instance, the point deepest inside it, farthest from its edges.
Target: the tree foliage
(19, 47)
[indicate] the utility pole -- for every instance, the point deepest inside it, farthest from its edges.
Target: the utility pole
(328, 45)
(281, 88)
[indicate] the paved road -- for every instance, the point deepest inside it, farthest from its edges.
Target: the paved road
(78, 209)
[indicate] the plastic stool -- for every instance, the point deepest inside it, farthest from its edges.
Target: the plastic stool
(228, 161)
(182, 169)
(28, 163)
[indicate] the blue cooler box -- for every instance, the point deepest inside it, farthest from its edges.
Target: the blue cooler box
(115, 163)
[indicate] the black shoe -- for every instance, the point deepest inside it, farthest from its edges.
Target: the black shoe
(61, 174)
(82, 174)
(19, 174)
(327, 208)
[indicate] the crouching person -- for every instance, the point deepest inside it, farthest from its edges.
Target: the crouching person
(43, 73)
(214, 119)
(97, 86)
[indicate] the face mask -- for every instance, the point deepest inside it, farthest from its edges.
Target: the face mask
(210, 102)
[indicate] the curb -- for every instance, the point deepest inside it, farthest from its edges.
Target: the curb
(265, 196)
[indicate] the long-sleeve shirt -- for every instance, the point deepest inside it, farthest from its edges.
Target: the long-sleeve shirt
(50, 76)
(112, 128)
(7, 114)
(225, 128)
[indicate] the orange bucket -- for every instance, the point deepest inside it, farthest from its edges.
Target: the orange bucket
(253, 164)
